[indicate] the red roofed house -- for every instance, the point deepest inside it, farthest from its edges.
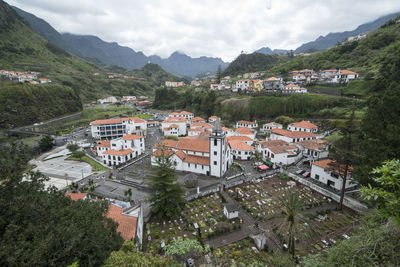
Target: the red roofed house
(120, 150)
(213, 119)
(244, 131)
(344, 76)
(330, 174)
(279, 152)
(303, 126)
(126, 223)
(115, 128)
(184, 114)
(291, 137)
(77, 196)
(176, 126)
(241, 150)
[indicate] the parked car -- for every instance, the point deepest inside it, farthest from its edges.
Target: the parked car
(299, 172)
(306, 174)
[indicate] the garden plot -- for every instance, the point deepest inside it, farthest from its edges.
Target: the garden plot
(204, 216)
(261, 200)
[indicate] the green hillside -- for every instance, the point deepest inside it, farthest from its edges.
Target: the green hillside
(364, 56)
(22, 49)
(251, 62)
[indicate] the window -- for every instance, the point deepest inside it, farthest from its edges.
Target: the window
(188, 164)
(317, 176)
(215, 142)
(215, 153)
(202, 167)
(195, 166)
(215, 163)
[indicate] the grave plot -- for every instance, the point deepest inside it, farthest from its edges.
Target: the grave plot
(323, 226)
(204, 216)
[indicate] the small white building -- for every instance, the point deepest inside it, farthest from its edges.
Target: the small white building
(109, 99)
(176, 126)
(330, 174)
(271, 125)
(303, 126)
(213, 119)
(291, 137)
(242, 84)
(244, 131)
(279, 152)
(231, 211)
(183, 114)
(344, 76)
(241, 150)
(314, 149)
(248, 124)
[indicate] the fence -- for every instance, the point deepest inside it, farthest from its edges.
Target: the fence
(203, 191)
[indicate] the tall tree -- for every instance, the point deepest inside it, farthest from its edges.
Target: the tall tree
(166, 195)
(292, 205)
(380, 128)
(46, 143)
(344, 153)
(219, 74)
(42, 227)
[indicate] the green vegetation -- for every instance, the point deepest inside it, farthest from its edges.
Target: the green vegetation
(46, 143)
(129, 256)
(250, 63)
(386, 195)
(42, 227)
(95, 165)
(376, 243)
(22, 104)
(166, 196)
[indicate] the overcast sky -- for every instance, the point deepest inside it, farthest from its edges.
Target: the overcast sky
(218, 28)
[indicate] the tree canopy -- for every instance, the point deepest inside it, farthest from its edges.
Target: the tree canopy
(42, 227)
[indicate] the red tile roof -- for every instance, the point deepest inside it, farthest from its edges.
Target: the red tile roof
(126, 224)
(273, 143)
(244, 130)
(132, 137)
(197, 159)
(238, 138)
(162, 152)
(76, 196)
(346, 72)
(331, 165)
(118, 152)
(103, 144)
(240, 145)
(117, 121)
(290, 134)
(304, 124)
(247, 122)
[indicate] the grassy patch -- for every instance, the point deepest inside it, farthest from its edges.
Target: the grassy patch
(144, 116)
(95, 165)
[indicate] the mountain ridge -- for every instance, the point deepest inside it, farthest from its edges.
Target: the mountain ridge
(111, 53)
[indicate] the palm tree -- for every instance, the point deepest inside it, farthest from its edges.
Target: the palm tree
(128, 193)
(292, 205)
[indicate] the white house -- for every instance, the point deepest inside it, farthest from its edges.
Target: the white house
(109, 99)
(314, 149)
(248, 124)
(271, 125)
(176, 126)
(326, 74)
(183, 114)
(213, 119)
(303, 126)
(291, 137)
(114, 128)
(344, 76)
(128, 98)
(120, 150)
(251, 75)
(330, 174)
(273, 83)
(279, 152)
(242, 84)
(231, 211)
(241, 150)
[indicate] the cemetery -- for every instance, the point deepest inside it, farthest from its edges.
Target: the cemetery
(203, 216)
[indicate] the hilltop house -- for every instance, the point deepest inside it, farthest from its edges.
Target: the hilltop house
(266, 128)
(344, 76)
(242, 84)
(174, 84)
(248, 124)
(109, 99)
(291, 137)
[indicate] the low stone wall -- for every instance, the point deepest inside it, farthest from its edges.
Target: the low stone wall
(203, 191)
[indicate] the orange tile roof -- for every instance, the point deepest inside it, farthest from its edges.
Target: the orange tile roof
(273, 143)
(304, 124)
(162, 152)
(239, 138)
(213, 117)
(197, 159)
(126, 224)
(199, 124)
(117, 120)
(76, 196)
(132, 137)
(244, 130)
(180, 154)
(240, 145)
(175, 120)
(280, 149)
(200, 145)
(316, 144)
(347, 72)
(226, 129)
(118, 152)
(103, 144)
(331, 165)
(198, 119)
(291, 85)
(290, 134)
